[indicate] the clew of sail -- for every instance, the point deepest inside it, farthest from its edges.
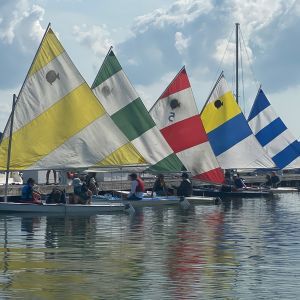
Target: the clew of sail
(127, 110)
(177, 117)
(272, 134)
(58, 121)
(229, 134)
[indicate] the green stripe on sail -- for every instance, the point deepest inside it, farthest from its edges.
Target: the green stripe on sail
(133, 119)
(170, 163)
(109, 67)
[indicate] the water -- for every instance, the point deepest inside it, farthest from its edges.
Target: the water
(243, 249)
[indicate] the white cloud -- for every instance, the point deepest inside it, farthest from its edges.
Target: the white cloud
(181, 43)
(180, 13)
(150, 93)
(6, 97)
(286, 103)
(19, 17)
(96, 37)
(226, 51)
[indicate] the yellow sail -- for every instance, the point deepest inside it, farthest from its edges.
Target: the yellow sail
(59, 123)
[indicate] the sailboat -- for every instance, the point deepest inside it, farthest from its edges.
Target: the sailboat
(272, 133)
(228, 131)
(176, 115)
(58, 123)
(114, 90)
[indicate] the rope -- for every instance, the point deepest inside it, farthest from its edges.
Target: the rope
(221, 62)
(250, 65)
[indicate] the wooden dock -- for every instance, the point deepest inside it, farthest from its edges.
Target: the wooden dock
(292, 180)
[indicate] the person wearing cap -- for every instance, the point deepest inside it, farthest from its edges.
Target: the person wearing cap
(137, 187)
(185, 188)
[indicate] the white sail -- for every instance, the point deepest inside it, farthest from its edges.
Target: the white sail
(229, 134)
(58, 122)
(273, 134)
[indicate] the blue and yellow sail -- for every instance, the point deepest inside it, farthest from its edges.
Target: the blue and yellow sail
(229, 134)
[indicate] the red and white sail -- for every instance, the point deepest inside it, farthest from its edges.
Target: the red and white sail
(177, 117)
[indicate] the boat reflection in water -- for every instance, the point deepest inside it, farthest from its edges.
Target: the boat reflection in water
(234, 251)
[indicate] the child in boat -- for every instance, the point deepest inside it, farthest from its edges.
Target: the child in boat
(29, 195)
(185, 188)
(82, 195)
(275, 181)
(268, 182)
(238, 182)
(137, 187)
(159, 186)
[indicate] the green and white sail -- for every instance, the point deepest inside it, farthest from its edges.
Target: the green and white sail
(58, 121)
(121, 101)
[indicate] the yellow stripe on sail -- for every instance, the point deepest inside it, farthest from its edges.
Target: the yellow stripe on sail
(52, 128)
(126, 154)
(212, 117)
(50, 48)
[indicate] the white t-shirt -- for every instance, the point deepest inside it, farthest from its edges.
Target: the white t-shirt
(134, 185)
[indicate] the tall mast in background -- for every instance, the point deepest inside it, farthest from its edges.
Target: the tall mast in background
(237, 62)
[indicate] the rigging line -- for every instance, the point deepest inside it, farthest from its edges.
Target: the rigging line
(249, 61)
(233, 81)
(221, 62)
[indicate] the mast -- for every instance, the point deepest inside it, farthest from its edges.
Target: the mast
(237, 61)
(9, 146)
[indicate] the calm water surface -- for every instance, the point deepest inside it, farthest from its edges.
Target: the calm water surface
(243, 249)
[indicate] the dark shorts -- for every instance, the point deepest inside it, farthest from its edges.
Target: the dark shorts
(134, 197)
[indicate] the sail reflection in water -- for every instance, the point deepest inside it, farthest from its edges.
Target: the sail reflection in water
(243, 249)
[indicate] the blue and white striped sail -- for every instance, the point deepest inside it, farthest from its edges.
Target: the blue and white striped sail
(273, 135)
(229, 134)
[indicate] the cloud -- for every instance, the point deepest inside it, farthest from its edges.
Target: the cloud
(96, 37)
(180, 13)
(181, 43)
(201, 30)
(20, 34)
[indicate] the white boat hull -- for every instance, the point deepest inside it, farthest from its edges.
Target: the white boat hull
(64, 209)
(160, 201)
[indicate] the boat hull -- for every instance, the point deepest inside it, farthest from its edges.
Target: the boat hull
(64, 209)
(233, 194)
(162, 201)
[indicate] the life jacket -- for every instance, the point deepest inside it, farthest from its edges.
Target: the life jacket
(141, 186)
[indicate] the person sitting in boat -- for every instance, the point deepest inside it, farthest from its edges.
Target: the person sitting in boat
(92, 183)
(82, 195)
(137, 187)
(56, 196)
(160, 187)
(28, 193)
(228, 182)
(268, 182)
(185, 188)
(238, 182)
(275, 181)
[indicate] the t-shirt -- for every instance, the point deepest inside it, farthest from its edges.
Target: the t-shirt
(134, 184)
(27, 192)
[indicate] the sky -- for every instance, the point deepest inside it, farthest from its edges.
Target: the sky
(154, 39)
